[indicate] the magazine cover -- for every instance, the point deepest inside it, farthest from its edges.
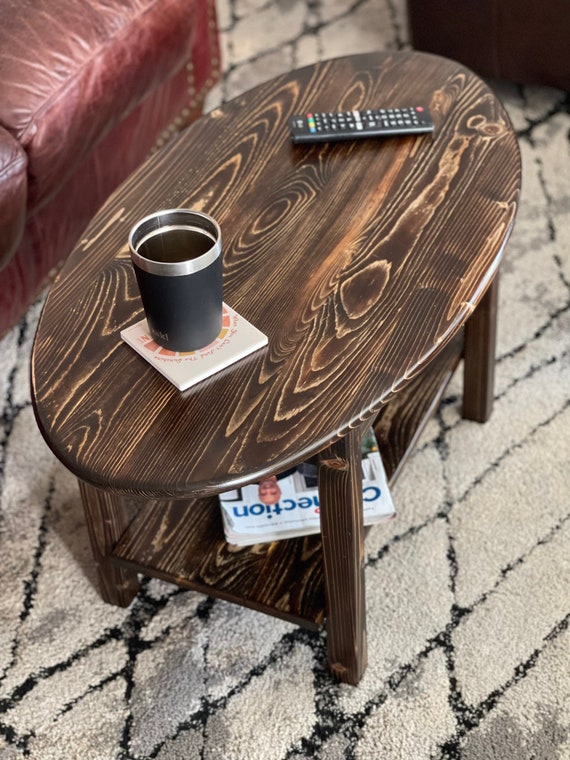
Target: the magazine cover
(287, 505)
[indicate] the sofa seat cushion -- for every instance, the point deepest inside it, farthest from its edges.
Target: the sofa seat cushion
(72, 69)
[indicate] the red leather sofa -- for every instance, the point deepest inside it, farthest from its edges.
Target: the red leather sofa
(87, 88)
(522, 41)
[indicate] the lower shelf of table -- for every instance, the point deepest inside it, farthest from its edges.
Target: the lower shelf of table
(183, 541)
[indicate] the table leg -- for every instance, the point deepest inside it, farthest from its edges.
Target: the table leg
(479, 356)
(342, 532)
(107, 516)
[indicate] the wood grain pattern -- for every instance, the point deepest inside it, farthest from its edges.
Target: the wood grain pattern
(402, 420)
(359, 261)
(183, 542)
(479, 356)
(108, 514)
(342, 535)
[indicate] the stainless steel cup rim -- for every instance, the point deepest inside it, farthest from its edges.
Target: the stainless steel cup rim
(173, 219)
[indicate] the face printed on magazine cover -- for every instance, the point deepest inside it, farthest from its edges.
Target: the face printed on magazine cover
(269, 491)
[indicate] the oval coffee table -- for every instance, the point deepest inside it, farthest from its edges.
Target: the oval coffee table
(371, 266)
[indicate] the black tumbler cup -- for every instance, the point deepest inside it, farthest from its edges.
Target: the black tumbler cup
(177, 258)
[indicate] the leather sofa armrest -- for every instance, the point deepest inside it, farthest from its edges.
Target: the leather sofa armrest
(13, 194)
(73, 69)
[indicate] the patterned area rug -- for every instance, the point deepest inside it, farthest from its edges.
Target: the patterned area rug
(468, 590)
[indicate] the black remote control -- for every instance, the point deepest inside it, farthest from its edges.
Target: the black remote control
(351, 125)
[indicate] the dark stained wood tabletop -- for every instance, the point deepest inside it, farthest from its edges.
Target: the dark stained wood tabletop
(360, 261)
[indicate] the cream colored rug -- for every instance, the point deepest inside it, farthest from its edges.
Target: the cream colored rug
(468, 590)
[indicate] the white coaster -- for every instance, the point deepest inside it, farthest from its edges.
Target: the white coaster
(237, 339)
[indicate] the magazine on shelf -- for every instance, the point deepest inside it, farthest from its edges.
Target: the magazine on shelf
(237, 339)
(287, 505)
